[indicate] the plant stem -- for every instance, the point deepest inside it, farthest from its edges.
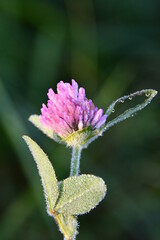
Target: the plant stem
(75, 161)
(67, 239)
(75, 168)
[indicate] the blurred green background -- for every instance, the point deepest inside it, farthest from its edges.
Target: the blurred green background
(111, 48)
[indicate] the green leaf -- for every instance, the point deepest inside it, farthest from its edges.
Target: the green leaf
(35, 119)
(80, 194)
(149, 93)
(46, 171)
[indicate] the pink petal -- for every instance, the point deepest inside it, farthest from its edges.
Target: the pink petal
(81, 95)
(97, 117)
(101, 121)
(75, 88)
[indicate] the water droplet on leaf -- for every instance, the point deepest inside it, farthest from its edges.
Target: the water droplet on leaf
(147, 94)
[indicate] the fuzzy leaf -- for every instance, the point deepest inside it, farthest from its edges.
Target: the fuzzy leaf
(46, 171)
(80, 194)
(35, 119)
(149, 93)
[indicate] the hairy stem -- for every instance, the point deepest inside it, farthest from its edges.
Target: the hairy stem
(67, 225)
(75, 161)
(69, 238)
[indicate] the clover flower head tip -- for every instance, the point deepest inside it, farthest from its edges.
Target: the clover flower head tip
(69, 111)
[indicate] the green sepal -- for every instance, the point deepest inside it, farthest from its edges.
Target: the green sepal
(46, 172)
(80, 194)
(79, 138)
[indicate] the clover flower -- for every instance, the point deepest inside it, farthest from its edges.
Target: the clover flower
(69, 110)
(71, 118)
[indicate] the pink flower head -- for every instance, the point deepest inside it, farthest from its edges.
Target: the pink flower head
(69, 110)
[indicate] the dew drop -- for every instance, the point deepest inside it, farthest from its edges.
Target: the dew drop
(130, 98)
(122, 101)
(113, 110)
(147, 94)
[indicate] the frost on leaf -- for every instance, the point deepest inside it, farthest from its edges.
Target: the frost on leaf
(46, 172)
(80, 194)
(149, 93)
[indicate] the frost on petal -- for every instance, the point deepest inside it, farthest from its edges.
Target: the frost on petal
(69, 110)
